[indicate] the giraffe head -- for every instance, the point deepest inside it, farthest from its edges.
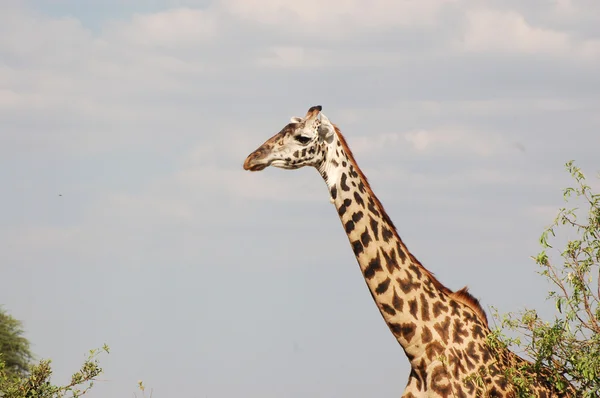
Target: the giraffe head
(302, 142)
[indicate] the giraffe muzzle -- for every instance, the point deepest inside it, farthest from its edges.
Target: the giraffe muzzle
(256, 161)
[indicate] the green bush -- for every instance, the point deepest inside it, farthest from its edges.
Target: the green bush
(567, 347)
(21, 378)
(15, 352)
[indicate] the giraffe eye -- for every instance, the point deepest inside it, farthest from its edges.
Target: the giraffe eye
(302, 139)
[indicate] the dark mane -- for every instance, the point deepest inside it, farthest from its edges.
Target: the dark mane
(462, 295)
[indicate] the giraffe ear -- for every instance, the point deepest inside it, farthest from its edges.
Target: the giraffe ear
(325, 130)
(296, 119)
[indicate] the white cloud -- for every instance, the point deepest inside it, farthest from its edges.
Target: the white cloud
(364, 144)
(499, 106)
(39, 236)
(445, 140)
(336, 18)
(508, 31)
(95, 91)
(175, 28)
(462, 109)
(420, 140)
(456, 141)
(574, 10)
(292, 57)
(28, 36)
(589, 49)
(139, 207)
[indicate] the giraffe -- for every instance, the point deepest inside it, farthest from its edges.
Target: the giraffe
(442, 332)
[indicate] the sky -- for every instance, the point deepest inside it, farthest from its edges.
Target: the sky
(127, 218)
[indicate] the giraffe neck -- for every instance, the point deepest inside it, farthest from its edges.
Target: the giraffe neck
(412, 302)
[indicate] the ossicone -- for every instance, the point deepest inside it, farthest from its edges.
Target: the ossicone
(313, 111)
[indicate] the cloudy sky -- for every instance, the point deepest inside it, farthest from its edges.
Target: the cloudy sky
(127, 219)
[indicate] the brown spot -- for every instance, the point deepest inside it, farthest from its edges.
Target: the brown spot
(388, 308)
(343, 184)
(397, 302)
(361, 187)
(440, 382)
(434, 350)
(407, 285)
(365, 238)
(401, 253)
(357, 248)
(344, 207)
(406, 330)
(373, 267)
(353, 173)
(359, 199)
(443, 329)
(472, 351)
(424, 308)
(430, 290)
(459, 332)
(438, 308)
(502, 383)
(468, 316)
(383, 286)
(413, 307)
(386, 234)
(372, 208)
(455, 308)
(374, 227)
(415, 270)
(426, 335)
(390, 260)
(485, 355)
(349, 226)
(357, 216)
(477, 331)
